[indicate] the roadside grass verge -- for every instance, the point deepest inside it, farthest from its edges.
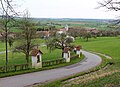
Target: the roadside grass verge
(92, 82)
(110, 79)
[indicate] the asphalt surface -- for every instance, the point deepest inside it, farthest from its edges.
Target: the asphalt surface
(90, 61)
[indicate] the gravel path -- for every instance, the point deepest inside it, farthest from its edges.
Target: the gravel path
(5, 51)
(90, 61)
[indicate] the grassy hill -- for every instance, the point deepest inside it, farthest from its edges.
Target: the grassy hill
(105, 45)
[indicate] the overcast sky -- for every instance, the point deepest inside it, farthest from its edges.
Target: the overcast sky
(66, 9)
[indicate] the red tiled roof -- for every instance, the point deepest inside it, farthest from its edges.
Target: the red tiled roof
(66, 49)
(35, 52)
(78, 48)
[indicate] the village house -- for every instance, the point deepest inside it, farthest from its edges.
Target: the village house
(63, 30)
(43, 34)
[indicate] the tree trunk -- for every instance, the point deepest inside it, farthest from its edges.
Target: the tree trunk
(6, 50)
(27, 58)
(6, 38)
(62, 49)
(62, 52)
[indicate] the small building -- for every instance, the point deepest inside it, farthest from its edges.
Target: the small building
(78, 50)
(66, 54)
(63, 30)
(36, 58)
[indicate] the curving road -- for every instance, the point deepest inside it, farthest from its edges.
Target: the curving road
(90, 61)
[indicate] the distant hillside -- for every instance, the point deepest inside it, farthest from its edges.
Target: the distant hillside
(66, 19)
(69, 19)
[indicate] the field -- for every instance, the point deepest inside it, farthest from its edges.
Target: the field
(19, 58)
(100, 25)
(51, 24)
(105, 45)
(111, 47)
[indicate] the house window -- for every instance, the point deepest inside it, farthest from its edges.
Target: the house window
(38, 58)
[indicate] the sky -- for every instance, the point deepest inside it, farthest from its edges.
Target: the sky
(67, 9)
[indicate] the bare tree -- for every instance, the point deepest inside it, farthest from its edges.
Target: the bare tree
(59, 42)
(111, 4)
(27, 36)
(7, 13)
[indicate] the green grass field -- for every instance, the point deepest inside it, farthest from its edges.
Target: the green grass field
(106, 45)
(19, 58)
(2, 46)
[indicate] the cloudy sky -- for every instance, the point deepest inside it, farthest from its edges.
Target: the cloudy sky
(66, 9)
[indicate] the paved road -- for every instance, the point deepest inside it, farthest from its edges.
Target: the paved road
(89, 62)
